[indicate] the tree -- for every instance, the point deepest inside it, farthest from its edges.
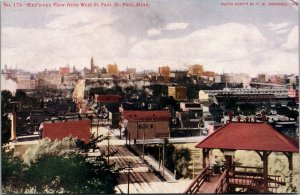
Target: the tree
(13, 173)
(6, 97)
(71, 173)
(169, 150)
(182, 158)
(5, 129)
(59, 167)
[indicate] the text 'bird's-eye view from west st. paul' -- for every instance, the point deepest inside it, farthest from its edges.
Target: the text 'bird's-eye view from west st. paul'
(145, 97)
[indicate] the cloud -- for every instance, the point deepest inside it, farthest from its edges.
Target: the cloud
(231, 47)
(279, 26)
(70, 19)
(153, 32)
(175, 26)
(169, 27)
(62, 41)
(292, 40)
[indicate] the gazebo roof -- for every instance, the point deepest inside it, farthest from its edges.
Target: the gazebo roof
(249, 136)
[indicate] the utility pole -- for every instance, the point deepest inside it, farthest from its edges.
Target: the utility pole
(129, 167)
(193, 163)
(159, 156)
(98, 124)
(108, 152)
(127, 133)
(163, 165)
(144, 145)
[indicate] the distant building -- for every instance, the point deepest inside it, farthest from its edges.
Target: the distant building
(209, 75)
(223, 78)
(214, 110)
(131, 70)
(70, 79)
(64, 70)
(188, 106)
(164, 74)
(26, 82)
(187, 121)
(261, 78)
(276, 79)
(164, 71)
(204, 96)
(93, 67)
(60, 129)
(146, 124)
(178, 92)
(112, 68)
(107, 98)
(196, 69)
(49, 79)
(178, 75)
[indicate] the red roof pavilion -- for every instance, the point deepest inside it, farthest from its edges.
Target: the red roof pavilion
(259, 137)
(249, 136)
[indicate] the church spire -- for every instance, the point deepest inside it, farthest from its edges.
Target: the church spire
(92, 65)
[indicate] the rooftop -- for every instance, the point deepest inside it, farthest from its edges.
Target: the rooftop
(249, 136)
(158, 115)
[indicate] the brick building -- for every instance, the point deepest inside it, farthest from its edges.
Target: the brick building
(178, 92)
(107, 98)
(148, 124)
(60, 129)
(196, 69)
(26, 82)
(64, 70)
(112, 68)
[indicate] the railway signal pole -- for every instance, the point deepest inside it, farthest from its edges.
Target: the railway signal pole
(129, 167)
(108, 152)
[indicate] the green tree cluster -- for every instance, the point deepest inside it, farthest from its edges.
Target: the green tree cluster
(57, 167)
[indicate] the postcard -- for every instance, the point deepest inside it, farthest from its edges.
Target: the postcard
(149, 96)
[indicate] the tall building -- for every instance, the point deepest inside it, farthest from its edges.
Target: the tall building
(131, 70)
(178, 74)
(64, 70)
(164, 71)
(196, 69)
(112, 68)
(26, 82)
(49, 79)
(261, 78)
(93, 67)
(178, 92)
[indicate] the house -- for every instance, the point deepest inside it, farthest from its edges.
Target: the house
(59, 129)
(146, 124)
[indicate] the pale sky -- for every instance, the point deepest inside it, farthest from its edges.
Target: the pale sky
(233, 39)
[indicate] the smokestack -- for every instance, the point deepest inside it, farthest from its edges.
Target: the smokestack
(247, 119)
(13, 117)
(263, 115)
(230, 115)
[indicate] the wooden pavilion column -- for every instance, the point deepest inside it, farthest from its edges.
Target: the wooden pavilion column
(264, 157)
(289, 156)
(205, 155)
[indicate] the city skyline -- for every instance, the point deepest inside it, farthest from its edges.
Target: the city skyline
(222, 38)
